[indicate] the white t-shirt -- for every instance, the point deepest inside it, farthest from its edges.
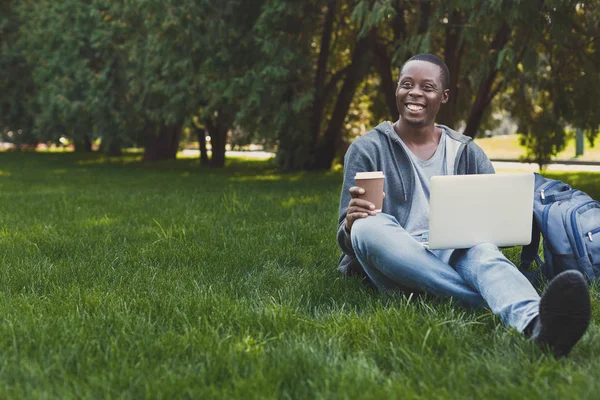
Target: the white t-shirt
(417, 223)
(418, 219)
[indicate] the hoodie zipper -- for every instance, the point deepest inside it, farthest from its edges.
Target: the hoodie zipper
(389, 140)
(459, 153)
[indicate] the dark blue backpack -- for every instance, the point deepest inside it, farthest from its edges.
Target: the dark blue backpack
(569, 221)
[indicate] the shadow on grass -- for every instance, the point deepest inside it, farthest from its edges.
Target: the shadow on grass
(236, 170)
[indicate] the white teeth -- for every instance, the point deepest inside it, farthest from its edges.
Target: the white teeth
(414, 107)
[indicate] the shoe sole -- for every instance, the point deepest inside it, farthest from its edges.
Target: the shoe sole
(565, 312)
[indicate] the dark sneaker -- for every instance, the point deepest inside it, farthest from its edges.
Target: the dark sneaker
(565, 312)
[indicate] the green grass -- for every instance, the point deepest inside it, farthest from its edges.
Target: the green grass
(121, 280)
(507, 147)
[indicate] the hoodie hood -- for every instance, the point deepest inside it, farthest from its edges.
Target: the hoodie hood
(387, 128)
(454, 147)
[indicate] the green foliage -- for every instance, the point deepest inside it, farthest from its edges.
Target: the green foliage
(165, 55)
(16, 83)
(274, 91)
(544, 137)
(558, 89)
(125, 71)
(371, 14)
(116, 119)
(62, 72)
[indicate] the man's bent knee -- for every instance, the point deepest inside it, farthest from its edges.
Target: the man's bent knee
(483, 258)
(371, 226)
(366, 231)
(483, 251)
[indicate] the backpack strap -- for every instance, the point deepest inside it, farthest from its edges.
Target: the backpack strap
(529, 254)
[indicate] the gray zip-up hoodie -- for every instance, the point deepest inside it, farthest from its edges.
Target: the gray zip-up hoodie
(381, 150)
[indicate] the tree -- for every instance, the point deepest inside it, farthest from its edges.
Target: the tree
(300, 76)
(59, 56)
(188, 59)
(489, 48)
(161, 76)
(229, 46)
(555, 88)
(16, 83)
(297, 93)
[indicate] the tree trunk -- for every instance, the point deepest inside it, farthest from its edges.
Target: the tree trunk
(327, 147)
(424, 13)
(83, 145)
(217, 129)
(383, 63)
(453, 51)
(111, 147)
(293, 150)
(218, 142)
(483, 98)
(164, 145)
(114, 149)
(202, 142)
(318, 102)
(423, 26)
(398, 24)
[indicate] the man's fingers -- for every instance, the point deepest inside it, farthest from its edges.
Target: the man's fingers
(355, 191)
(357, 210)
(360, 210)
(360, 203)
(357, 215)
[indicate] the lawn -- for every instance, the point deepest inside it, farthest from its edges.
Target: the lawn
(507, 147)
(122, 280)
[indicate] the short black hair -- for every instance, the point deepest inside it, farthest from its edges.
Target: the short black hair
(432, 58)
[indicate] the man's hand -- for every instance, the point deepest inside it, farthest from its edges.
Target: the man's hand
(358, 208)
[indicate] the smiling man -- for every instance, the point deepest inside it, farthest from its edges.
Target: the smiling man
(386, 248)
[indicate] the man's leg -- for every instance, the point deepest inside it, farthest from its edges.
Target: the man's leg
(394, 259)
(504, 288)
(558, 320)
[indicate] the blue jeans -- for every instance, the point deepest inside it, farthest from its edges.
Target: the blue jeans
(478, 277)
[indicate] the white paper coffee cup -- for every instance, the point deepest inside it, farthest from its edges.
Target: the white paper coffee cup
(372, 183)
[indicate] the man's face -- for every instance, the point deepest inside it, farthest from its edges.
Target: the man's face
(420, 93)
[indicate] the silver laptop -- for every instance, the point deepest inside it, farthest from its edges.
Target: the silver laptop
(466, 210)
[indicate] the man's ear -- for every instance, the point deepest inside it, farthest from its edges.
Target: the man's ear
(445, 96)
